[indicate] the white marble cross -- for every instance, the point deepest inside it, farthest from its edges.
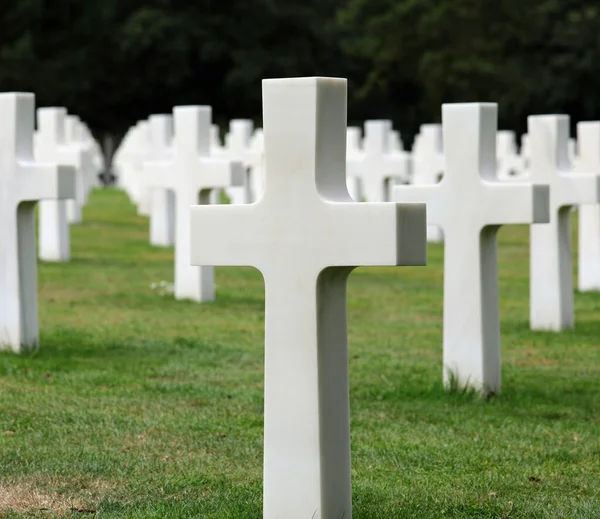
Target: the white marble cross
(255, 160)
(121, 164)
(305, 235)
(82, 166)
(428, 166)
(551, 284)
(354, 153)
(77, 134)
(573, 151)
(191, 174)
(140, 149)
(588, 137)
(470, 204)
(524, 154)
(162, 205)
(237, 147)
(50, 146)
(94, 154)
(379, 167)
(216, 146)
(23, 182)
(510, 164)
(395, 142)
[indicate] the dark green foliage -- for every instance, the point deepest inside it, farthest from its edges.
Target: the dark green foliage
(116, 61)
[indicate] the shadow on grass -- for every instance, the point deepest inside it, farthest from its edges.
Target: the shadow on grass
(526, 396)
(584, 329)
(65, 350)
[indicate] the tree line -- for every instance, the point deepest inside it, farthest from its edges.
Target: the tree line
(114, 62)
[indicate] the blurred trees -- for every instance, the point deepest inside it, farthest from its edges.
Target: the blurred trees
(535, 56)
(116, 61)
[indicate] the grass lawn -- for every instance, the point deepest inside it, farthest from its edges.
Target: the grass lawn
(140, 406)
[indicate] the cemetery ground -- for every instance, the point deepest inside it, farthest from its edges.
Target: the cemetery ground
(140, 406)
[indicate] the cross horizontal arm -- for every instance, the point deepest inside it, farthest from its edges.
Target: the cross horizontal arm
(516, 202)
(354, 165)
(227, 235)
(397, 165)
(576, 188)
(428, 194)
(159, 174)
(346, 234)
(72, 157)
(371, 234)
(46, 181)
(220, 173)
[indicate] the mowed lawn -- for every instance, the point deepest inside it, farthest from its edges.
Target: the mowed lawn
(140, 406)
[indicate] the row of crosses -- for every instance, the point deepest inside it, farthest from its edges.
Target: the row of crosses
(306, 235)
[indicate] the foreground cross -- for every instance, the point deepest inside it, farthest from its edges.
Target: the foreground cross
(306, 235)
(23, 181)
(470, 205)
(551, 283)
(588, 138)
(191, 175)
(50, 146)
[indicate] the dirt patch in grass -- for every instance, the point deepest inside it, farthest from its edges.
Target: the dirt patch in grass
(57, 496)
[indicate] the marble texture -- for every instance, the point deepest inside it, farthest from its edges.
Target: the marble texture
(470, 204)
(510, 163)
(354, 153)
(428, 166)
(378, 167)
(191, 174)
(237, 147)
(588, 137)
(550, 282)
(305, 235)
(23, 181)
(83, 168)
(54, 242)
(162, 205)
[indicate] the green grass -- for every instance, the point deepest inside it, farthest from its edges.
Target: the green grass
(139, 406)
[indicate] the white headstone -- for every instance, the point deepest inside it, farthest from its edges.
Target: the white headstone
(396, 143)
(428, 166)
(354, 153)
(51, 147)
(470, 204)
(121, 163)
(305, 235)
(23, 182)
(255, 160)
(524, 153)
(162, 205)
(74, 138)
(191, 174)
(216, 146)
(572, 147)
(510, 163)
(588, 136)
(551, 284)
(379, 168)
(97, 160)
(237, 147)
(141, 148)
